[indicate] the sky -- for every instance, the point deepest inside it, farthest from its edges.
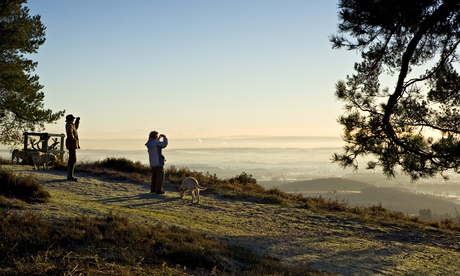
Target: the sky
(192, 69)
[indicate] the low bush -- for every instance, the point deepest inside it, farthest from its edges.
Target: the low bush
(123, 165)
(11, 203)
(23, 187)
(4, 161)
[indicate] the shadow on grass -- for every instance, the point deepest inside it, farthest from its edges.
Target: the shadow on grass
(140, 197)
(146, 199)
(57, 180)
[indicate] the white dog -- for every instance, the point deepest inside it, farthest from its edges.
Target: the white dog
(40, 158)
(191, 184)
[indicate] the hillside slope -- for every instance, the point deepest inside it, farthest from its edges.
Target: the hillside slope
(331, 242)
(359, 193)
(325, 184)
(403, 200)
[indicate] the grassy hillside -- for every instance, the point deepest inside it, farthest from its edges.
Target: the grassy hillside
(108, 224)
(71, 238)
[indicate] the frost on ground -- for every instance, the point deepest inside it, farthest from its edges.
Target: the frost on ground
(329, 242)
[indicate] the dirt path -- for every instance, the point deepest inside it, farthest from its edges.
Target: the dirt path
(334, 244)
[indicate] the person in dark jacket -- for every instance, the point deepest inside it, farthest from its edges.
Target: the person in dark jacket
(72, 144)
(154, 145)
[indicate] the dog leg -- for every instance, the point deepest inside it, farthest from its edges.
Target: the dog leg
(193, 195)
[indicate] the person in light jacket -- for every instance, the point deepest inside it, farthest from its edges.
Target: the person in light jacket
(72, 144)
(154, 145)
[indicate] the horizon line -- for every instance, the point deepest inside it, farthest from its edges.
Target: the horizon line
(226, 137)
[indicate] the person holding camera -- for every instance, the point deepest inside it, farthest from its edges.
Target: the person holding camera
(154, 145)
(72, 144)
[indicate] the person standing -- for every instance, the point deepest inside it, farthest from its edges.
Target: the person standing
(154, 145)
(72, 144)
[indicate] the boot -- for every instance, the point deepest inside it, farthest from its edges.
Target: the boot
(70, 169)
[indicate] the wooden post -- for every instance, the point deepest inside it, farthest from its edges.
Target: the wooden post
(62, 142)
(61, 154)
(45, 137)
(26, 137)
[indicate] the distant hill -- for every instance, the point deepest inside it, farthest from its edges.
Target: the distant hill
(325, 184)
(357, 193)
(402, 200)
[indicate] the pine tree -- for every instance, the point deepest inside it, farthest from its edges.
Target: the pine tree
(21, 99)
(415, 124)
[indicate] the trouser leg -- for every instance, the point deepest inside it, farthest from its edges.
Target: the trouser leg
(161, 177)
(157, 180)
(70, 170)
(71, 164)
(153, 181)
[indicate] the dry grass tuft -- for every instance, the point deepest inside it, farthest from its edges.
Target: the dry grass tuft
(25, 188)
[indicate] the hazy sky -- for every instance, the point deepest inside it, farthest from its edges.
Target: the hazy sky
(192, 68)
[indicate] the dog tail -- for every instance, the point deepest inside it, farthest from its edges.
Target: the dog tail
(201, 187)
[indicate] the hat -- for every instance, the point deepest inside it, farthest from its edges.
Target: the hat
(69, 117)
